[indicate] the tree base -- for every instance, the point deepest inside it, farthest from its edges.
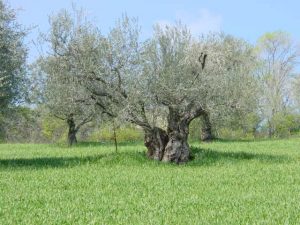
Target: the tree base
(166, 148)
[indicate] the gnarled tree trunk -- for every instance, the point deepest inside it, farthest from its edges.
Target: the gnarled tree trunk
(171, 146)
(155, 140)
(177, 149)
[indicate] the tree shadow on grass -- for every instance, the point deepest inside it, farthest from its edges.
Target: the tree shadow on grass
(124, 158)
(200, 157)
(48, 162)
(206, 157)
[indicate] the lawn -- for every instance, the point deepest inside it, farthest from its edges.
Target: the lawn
(226, 183)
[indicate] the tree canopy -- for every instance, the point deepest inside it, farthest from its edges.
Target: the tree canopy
(12, 57)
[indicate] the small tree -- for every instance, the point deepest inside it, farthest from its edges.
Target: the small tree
(60, 85)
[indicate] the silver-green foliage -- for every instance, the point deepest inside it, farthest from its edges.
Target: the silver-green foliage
(60, 85)
(175, 76)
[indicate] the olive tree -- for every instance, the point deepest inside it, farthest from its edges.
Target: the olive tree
(194, 77)
(66, 99)
(58, 80)
(172, 72)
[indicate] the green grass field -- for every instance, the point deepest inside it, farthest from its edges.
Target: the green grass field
(226, 183)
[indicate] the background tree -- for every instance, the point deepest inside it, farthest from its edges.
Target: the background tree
(58, 81)
(296, 92)
(279, 57)
(206, 128)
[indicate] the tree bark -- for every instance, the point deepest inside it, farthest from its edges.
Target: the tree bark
(171, 146)
(155, 140)
(177, 149)
(206, 130)
(72, 131)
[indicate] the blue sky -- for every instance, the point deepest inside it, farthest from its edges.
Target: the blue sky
(245, 19)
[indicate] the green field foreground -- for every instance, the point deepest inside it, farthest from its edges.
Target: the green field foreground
(226, 183)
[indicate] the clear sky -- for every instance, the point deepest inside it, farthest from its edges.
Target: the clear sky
(246, 19)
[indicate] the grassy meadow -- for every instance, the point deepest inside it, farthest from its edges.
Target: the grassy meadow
(228, 182)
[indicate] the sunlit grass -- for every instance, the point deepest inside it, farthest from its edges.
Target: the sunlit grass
(226, 183)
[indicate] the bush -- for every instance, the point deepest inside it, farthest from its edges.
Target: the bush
(54, 130)
(286, 124)
(19, 125)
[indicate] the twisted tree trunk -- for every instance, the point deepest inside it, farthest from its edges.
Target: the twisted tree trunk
(177, 149)
(171, 145)
(156, 140)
